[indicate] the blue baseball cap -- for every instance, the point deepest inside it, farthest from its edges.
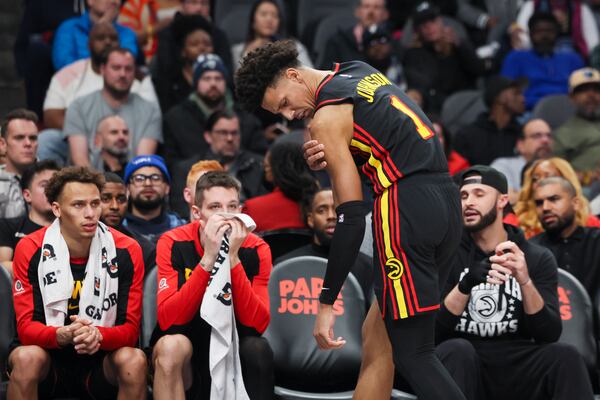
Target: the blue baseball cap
(149, 160)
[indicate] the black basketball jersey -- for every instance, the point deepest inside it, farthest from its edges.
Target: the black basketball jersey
(392, 136)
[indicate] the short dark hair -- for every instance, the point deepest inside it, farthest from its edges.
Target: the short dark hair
(32, 170)
(213, 179)
(259, 70)
(564, 183)
(111, 50)
(216, 116)
(19, 113)
(183, 25)
(308, 201)
(72, 174)
(111, 177)
(542, 16)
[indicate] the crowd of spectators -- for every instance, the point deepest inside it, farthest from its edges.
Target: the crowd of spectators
(147, 100)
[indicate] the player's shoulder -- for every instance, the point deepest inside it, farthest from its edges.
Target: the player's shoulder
(185, 232)
(253, 241)
(122, 241)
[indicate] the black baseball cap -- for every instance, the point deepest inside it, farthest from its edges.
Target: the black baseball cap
(485, 175)
(497, 85)
(424, 11)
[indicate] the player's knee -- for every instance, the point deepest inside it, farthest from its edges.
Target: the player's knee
(170, 352)
(566, 354)
(131, 364)
(28, 363)
(256, 354)
(457, 353)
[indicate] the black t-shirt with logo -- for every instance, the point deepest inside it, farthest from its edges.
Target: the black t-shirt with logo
(78, 271)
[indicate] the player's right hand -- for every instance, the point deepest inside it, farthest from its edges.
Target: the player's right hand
(314, 155)
(323, 331)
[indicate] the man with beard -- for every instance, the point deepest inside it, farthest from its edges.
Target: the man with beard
(576, 248)
(546, 70)
(578, 139)
(33, 183)
(148, 182)
(185, 122)
(499, 322)
(114, 207)
(320, 216)
(534, 142)
(112, 145)
(83, 77)
(223, 137)
(115, 98)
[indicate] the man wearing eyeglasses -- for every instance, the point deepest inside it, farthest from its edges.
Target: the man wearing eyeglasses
(222, 133)
(114, 207)
(148, 182)
(535, 141)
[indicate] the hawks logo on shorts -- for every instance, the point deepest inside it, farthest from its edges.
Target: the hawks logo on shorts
(394, 268)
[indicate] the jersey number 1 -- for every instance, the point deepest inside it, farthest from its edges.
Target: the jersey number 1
(423, 129)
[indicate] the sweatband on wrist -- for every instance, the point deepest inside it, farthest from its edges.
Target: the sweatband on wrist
(347, 238)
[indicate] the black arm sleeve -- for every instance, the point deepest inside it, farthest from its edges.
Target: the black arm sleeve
(345, 245)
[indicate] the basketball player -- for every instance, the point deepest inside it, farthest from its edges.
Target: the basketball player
(360, 118)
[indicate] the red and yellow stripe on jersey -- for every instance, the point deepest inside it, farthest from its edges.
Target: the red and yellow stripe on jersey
(380, 167)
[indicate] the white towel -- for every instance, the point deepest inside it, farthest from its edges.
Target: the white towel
(217, 311)
(98, 301)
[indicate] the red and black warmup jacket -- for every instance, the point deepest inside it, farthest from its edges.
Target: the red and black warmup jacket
(29, 308)
(181, 285)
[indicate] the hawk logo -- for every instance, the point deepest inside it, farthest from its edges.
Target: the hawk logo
(48, 252)
(394, 268)
(225, 295)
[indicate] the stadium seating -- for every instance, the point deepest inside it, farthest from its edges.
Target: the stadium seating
(149, 306)
(554, 109)
(302, 371)
(328, 27)
(461, 109)
(577, 317)
(282, 241)
(310, 12)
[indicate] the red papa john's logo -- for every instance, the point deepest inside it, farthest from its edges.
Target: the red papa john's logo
(300, 297)
(564, 303)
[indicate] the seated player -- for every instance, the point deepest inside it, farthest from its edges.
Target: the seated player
(186, 256)
(77, 297)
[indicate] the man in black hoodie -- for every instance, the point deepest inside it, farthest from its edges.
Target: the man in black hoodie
(499, 320)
